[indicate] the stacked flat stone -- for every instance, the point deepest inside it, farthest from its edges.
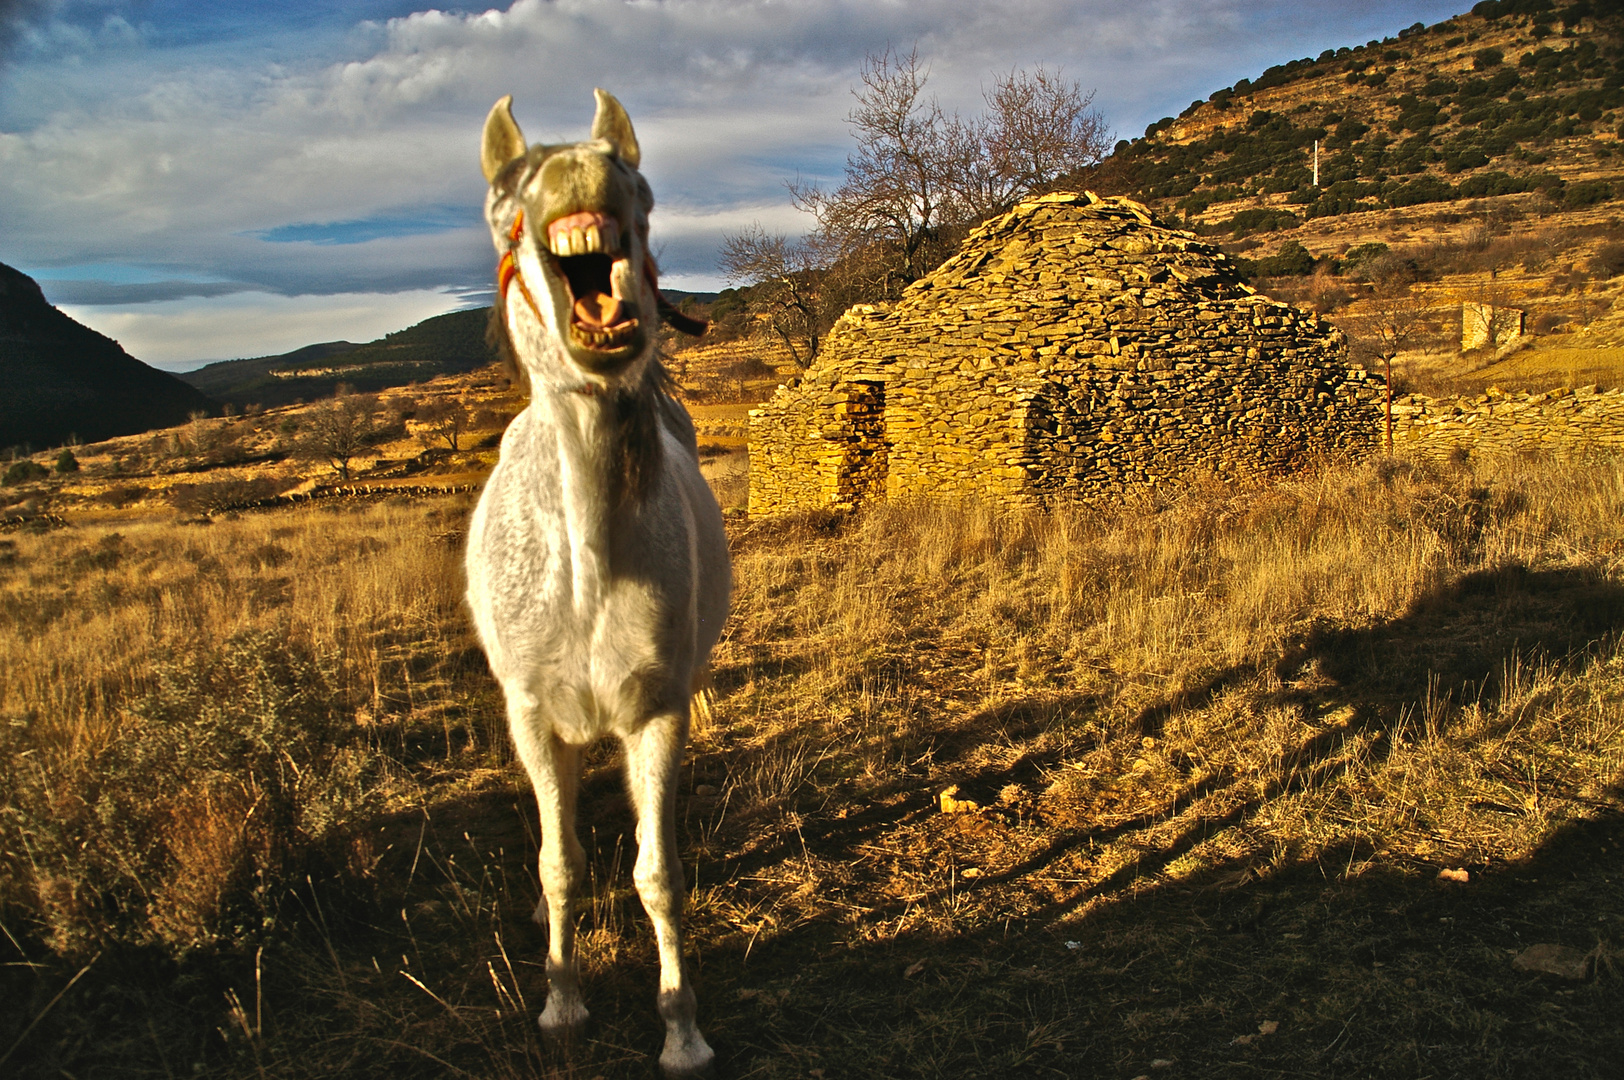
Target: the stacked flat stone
(1072, 350)
(1575, 425)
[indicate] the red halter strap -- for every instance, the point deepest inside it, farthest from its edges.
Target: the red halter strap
(507, 268)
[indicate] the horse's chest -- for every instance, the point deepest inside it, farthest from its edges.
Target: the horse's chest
(593, 646)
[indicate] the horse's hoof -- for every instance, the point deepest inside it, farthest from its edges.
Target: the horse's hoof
(689, 1063)
(563, 1025)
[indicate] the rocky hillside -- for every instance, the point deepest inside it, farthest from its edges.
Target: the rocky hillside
(1516, 97)
(64, 380)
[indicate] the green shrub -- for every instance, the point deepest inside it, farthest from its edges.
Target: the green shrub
(1292, 260)
(1364, 253)
(226, 782)
(1587, 193)
(21, 472)
(1494, 183)
(1262, 219)
(1423, 189)
(1469, 158)
(66, 462)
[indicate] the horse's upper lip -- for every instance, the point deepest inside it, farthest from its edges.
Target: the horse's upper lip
(586, 232)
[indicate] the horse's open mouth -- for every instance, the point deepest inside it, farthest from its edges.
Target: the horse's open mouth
(587, 247)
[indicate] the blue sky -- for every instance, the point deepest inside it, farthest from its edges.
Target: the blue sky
(206, 181)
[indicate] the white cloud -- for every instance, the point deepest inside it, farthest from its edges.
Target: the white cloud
(182, 334)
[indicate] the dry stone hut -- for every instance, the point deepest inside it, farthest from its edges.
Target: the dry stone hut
(1073, 349)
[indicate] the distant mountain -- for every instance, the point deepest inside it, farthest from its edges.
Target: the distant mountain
(61, 378)
(444, 345)
(677, 296)
(230, 380)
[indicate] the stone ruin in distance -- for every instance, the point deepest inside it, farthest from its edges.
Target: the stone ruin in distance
(1073, 350)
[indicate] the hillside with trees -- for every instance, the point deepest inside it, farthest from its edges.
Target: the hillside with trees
(1516, 97)
(444, 345)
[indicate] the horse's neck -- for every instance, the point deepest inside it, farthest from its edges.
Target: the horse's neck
(601, 447)
(578, 432)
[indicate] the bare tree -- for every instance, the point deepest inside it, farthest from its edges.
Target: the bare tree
(898, 179)
(339, 430)
(788, 278)
(917, 180)
(1393, 319)
(1039, 127)
(920, 174)
(441, 420)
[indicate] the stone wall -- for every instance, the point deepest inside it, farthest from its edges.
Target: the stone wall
(1573, 424)
(1072, 350)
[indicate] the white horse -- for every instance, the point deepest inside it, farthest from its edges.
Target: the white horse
(597, 563)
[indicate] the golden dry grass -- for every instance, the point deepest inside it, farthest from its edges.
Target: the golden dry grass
(1218, 750)
(1543, 368)
(192, 660)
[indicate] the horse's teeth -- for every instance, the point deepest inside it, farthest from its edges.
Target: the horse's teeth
(594, 242)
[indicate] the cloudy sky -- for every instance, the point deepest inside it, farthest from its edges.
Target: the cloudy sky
(210, 180)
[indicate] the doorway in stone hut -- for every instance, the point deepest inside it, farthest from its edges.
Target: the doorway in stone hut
(863, 459)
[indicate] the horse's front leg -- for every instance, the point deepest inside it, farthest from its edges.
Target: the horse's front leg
(653, 758)
(555, 773)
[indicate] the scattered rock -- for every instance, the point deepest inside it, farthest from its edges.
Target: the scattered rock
(953, 805)
(1267, 1027)
(1460, 876)
(1558, 960)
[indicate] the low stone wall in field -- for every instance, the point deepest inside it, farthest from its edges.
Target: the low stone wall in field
(1573, 424)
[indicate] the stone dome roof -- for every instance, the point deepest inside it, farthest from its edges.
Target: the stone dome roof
(1072, 348)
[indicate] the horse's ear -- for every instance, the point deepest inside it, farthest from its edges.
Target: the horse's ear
(503, 140)
(613, 126)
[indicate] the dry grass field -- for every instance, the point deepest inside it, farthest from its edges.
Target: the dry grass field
(1203, 764)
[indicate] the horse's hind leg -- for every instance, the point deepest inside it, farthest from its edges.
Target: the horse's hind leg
(555, 772)
(653, 757)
